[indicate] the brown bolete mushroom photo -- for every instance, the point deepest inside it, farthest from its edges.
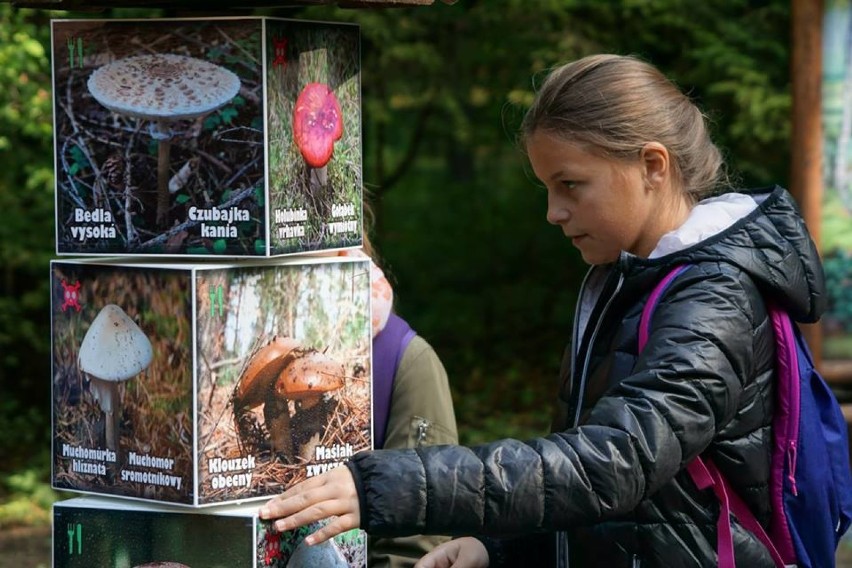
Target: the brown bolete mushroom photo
(317, 125)
(163, 88)
(113, 350)
(284, 377)
(280, 372)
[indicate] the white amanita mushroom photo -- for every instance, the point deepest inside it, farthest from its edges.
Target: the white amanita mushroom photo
(113, 350)
(163, 88)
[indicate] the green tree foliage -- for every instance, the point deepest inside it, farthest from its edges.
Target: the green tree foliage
(26, 232)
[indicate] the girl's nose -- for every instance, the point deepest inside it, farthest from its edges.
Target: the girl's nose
(557, 213)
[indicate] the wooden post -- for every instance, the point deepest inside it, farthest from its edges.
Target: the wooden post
(806, 144)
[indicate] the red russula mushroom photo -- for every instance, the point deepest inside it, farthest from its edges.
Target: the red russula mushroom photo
(317, 125)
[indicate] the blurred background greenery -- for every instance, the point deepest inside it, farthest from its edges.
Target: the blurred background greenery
(460, 221)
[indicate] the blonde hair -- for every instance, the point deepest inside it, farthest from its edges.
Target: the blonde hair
(615, 105)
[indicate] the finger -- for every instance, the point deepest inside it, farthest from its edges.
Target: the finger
(285, 505)
(428, 561)
(439, 557)
(306, 514)
(334, 527)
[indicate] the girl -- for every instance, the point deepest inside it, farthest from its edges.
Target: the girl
(634, 182)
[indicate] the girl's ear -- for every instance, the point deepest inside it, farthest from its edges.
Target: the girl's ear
(655, 160)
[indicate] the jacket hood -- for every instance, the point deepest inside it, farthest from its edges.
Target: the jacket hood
(769, 241)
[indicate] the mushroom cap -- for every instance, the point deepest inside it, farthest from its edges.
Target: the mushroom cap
(114, 348)
(259, 376)
(317, 123)
(310, 376)
(163, 86)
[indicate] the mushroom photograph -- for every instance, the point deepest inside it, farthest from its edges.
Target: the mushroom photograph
(163, 89)
(113, 350)
(289, 550)
(159, 136)
(103, 533)
(314, 118)
(284, 375)
(122, 386)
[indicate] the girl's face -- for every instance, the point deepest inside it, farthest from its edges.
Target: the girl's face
(603, 205)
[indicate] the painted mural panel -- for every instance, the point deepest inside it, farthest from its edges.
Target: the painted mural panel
(836, 232)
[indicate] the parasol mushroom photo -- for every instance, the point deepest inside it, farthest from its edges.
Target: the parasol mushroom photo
(113, 350)
(317, 125)
(163, 89)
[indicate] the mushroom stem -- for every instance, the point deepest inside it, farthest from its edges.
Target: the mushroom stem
(111, 429)
(163, 151)
(106, 393)
(276, 416)
(319, 176)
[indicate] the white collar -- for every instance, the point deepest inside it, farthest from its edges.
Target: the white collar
(709, 217)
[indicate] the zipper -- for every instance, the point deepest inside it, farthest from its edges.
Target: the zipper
(575, 345)
(583, 377)
(561, 537)
(562, 553)
(635, 562)
(562, 560)
(795, 400)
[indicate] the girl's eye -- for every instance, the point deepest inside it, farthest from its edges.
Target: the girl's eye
(568, 184)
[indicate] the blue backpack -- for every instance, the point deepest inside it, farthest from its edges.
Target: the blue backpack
(810, 479)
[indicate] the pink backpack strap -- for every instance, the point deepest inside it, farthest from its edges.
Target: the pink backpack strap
(785, 426)
(653, 300)
(706, 475)
(704, 472)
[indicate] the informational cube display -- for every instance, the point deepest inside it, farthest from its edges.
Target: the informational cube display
(202, 384)
(90, 531)
(237, 137)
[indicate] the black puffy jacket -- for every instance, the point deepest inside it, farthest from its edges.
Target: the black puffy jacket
(616, 483)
